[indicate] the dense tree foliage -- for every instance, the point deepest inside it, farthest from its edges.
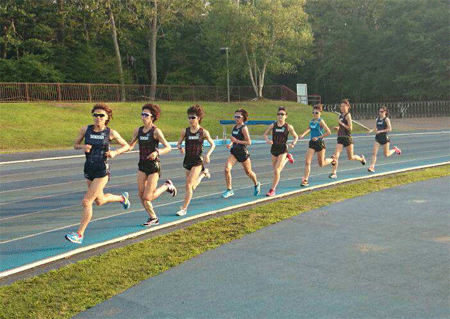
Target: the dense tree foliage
(365, 50)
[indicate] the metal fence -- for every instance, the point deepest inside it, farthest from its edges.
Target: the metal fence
(85, 92)
(396, 109)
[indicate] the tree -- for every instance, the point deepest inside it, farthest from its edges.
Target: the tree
(265, 34)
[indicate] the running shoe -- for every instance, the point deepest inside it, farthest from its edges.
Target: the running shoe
(371, 170)
(397, 150)
(182, 212)
(290, 158)
(257, 189)
(126, 202)
(74, 238)
(151, 222)
(332, 176)
(333, 160)
(304, 182)
(363, 160)
(271, 192)
(228, 193)
(207, 174)
(171, 188)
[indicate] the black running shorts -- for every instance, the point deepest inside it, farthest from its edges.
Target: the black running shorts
(345, 140)
(317, 145)
(93, 170)
(278, 149)
(189, 162)
(150, 167)
(241, 154)
(382, 139)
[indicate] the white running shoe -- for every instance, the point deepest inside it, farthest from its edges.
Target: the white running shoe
(207, 174)
(182, 212)
(332, 176)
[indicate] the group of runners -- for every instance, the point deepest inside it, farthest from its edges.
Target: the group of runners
(98, 137)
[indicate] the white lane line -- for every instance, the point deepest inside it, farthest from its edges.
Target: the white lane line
(183, 220)
(255, 142)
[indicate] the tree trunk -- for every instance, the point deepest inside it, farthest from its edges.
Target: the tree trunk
(118, 57)
(152, 45)
(253, 78)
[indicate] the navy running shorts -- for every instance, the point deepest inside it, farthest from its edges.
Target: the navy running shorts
(93, 170)
(382, 139)
(241, 154)
(278, 149)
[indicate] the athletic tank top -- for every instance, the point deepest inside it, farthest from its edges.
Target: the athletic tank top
(237, 134)
(100, 144)
(342, 130)
(280, 134)
(193, 143)
(147, 143)
(316, 129)
(381, 125)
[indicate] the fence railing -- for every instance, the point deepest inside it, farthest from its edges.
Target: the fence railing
(396, 109)
(85, 92)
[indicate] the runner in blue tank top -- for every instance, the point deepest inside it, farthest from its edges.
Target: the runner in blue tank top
(280, 132)
(318, 129)
(194, 161)
(149, 167)
(97, 138)
(344, 139)
(240, 138)
(382, 127)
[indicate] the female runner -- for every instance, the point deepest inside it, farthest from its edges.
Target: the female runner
(280, 132)
(240, 138)
(382, 127)
(97, 138)
(345, 138)
(193, 136)
(318, 129)
(149, 167)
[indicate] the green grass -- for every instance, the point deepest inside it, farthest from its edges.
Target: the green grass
(39, 126)
(65, 292)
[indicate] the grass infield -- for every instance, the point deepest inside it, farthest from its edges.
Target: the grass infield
(74, 288)
(41, 126)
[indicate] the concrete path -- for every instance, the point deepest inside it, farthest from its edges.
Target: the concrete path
(383, 255)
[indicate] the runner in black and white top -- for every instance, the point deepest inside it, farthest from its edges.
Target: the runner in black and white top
(240, 138)
(344, 139)
(382, 127)
(280, 132)
(193, 136)
(318, 130)
(149, 167)
(97, 139)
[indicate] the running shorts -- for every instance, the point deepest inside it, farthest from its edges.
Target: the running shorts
(382, 139)
(241, 154)
(188, 162)
(150, 167)
(94, 170)
(345, 140)
(278, 149)
(317, 145)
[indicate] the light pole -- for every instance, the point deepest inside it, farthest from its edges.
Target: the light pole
(228, 72)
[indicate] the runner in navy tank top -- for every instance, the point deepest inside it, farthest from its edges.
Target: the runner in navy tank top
(344, 139)
(149, 167)
(97, 138)
(194, 161)
(240, 138)
(280, 132)
(382, 127)
(318, 130)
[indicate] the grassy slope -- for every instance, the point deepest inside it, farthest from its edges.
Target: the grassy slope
(35, 126)
(63, 293)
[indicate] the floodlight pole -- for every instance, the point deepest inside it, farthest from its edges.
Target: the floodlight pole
(228, 73)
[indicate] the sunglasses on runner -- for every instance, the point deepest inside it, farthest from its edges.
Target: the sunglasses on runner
(315, 112)
(192, 117)
(98, 115)
(145, 114)
(238, 116)
(281, 114)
